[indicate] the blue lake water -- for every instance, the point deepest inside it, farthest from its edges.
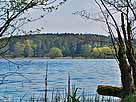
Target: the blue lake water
(85, 73)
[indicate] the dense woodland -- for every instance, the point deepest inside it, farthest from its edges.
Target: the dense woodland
(59, 45)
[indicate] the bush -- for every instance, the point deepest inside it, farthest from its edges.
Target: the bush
(55, 52)
(130, 98)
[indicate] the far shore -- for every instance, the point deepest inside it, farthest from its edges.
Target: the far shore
(50, 58)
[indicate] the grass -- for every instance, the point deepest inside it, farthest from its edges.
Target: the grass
(130, 98)
(62, 97)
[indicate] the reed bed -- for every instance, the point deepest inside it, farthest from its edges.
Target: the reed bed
(69, 94)
(57, 97)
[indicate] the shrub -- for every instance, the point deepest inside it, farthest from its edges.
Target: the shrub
(55, 52)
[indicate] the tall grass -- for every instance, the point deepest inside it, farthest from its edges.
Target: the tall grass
(60, 97)
(130, 98)
(46, 82)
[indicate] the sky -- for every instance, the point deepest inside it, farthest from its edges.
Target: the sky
(62, 20)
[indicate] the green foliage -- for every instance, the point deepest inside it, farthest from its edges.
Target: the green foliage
(27, 48)
(70, 45)
(55, 52)
(103, 52)
(86, 50)
(66, 49)
(74, 97)
(19, 49)
(130, 98)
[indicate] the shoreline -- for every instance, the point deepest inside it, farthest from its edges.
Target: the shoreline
(50, 58)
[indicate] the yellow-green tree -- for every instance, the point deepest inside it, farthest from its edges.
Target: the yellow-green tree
(103, 52)
(55, 52)
(28, 51)
(96, 52)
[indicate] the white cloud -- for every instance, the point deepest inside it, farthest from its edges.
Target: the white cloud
(63, 20)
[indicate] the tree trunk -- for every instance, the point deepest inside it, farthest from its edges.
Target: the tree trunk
(126, 77)
(123, 48)
(126, 80)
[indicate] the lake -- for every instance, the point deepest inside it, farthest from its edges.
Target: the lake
(30, 76)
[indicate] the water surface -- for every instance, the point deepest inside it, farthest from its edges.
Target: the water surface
(30, 76)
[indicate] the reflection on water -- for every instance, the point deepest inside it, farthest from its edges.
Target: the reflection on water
(85, 73)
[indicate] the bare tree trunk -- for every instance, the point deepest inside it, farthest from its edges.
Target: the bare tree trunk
(126, 77)
(129, 48)
(123, 45)
(132, 63)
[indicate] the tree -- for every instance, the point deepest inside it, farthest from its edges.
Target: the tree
(123, 45)
(66, 49)
(103, 52)
(120, 18)
(16, 13)
(40, 49)
(86, 50)
(96, 52)
(55, 52)
(34, 49)
(19, 49)
(12, 48)
(28, 48)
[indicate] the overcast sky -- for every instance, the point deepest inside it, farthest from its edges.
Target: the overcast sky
(63, 20)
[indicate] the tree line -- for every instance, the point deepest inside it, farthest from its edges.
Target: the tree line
(59, 45)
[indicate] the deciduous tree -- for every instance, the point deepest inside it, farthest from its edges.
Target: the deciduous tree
(16, 13)
(55, 52)
(120, 19)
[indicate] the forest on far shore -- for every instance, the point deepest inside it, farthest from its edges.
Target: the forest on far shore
(58, 45)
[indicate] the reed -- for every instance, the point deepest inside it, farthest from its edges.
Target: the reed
(130, 98)
(58, 97)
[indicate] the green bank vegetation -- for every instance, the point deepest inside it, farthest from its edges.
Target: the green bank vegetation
(59, 45)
